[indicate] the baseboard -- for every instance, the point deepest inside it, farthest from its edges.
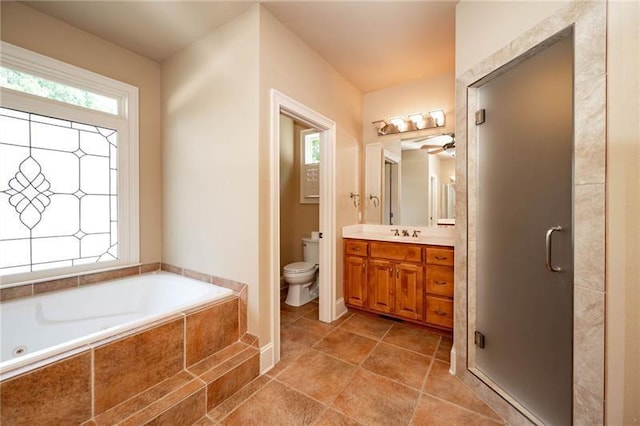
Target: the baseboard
(266, 358)
(341, 308)
(452, 361)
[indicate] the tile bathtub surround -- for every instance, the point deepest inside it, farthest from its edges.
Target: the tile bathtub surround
(128, 366)
(108, 275)
(201, 342)
(59, 393)
(32, 289)
(238, 288)
(138, 378)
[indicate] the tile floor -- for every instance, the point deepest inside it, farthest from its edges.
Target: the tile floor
(360, 370)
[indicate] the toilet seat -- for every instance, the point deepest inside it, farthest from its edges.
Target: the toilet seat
(299, 267)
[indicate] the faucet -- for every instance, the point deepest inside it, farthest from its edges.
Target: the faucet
(396, 232)
(415, 233)
(405, 233)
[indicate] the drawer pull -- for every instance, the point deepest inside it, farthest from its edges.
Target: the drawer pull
(364, 266)
(355, 248)
(398, 273)
(440, 282)
(441, 257)
(442, 314)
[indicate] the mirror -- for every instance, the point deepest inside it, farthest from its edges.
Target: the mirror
(406, 185)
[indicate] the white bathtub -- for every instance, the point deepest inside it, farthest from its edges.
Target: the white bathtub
(41, 327)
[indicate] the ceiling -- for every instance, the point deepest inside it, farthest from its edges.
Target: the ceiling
(374, 44)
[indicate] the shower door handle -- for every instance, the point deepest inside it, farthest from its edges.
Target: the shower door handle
(548, 243)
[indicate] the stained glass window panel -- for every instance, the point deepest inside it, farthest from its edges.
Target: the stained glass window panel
(58, 193)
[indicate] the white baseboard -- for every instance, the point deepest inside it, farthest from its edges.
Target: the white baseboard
(266, 358)
(341, 308)
(452, 361)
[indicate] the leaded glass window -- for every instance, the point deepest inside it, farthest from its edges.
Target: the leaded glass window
(58, 192)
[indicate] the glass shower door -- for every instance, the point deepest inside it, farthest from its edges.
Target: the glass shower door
(524, 287)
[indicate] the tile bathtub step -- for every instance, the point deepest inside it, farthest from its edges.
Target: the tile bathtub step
(227, 371)
(181, 399)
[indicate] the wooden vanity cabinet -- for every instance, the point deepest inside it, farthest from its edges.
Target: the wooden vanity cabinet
(439, 287)
(355, 273)
(402, 280)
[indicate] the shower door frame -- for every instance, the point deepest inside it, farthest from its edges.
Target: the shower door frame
(473, 149)
(589, 26)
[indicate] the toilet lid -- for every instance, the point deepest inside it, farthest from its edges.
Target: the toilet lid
(298, 267)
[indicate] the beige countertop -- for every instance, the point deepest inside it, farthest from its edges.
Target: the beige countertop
(433, 235)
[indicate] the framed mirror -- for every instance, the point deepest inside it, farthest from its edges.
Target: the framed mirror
(406, 184)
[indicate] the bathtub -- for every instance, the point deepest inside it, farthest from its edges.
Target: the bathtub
(44, 327)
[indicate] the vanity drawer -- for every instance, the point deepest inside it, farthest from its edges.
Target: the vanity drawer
(355, 247)
(440, 311)
(440, 256)
(396, 251)
(440, 280)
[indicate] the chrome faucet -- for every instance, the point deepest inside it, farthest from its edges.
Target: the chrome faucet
(415, 233)
(405, 233)
(396, 232)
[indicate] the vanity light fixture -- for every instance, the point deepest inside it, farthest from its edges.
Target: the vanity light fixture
(417, 121)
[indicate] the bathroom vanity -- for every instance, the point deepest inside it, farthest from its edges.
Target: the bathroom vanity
(410, 278)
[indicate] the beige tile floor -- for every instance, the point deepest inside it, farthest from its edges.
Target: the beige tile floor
(360, 370)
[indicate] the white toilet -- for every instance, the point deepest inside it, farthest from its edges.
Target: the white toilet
(302, 277)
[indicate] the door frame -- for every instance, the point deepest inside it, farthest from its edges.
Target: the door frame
(281, 103)
(588, 20)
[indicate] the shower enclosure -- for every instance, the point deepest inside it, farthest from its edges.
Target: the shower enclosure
(521, 342)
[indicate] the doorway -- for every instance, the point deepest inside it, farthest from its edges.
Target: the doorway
(390, 188)
(326, 128)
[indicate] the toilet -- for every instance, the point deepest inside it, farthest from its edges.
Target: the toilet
(302, 277)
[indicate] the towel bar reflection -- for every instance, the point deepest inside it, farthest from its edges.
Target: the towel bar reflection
(356, 199)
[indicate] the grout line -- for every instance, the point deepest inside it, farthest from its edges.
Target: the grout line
(271, 379)
(93, 384)
(426, 378)
(465, 408)
(301, 392)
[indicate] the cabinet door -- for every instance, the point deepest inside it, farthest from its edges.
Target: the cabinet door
(355, 281)
(409, 294)
(381, 285)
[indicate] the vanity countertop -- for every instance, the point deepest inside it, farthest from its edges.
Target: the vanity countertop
(436, 236)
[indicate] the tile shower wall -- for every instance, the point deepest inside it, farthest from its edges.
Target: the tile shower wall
(589, 20)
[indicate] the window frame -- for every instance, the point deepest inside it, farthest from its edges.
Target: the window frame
(125, 122)
(306, 198)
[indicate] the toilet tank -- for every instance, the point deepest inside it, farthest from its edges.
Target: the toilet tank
(310, 250)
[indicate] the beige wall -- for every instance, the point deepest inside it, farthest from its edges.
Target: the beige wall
(483, 27)
(297, 220)
(210, 180)
(478, 34)
(288, 65)
(32, 30)
(623, 209)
